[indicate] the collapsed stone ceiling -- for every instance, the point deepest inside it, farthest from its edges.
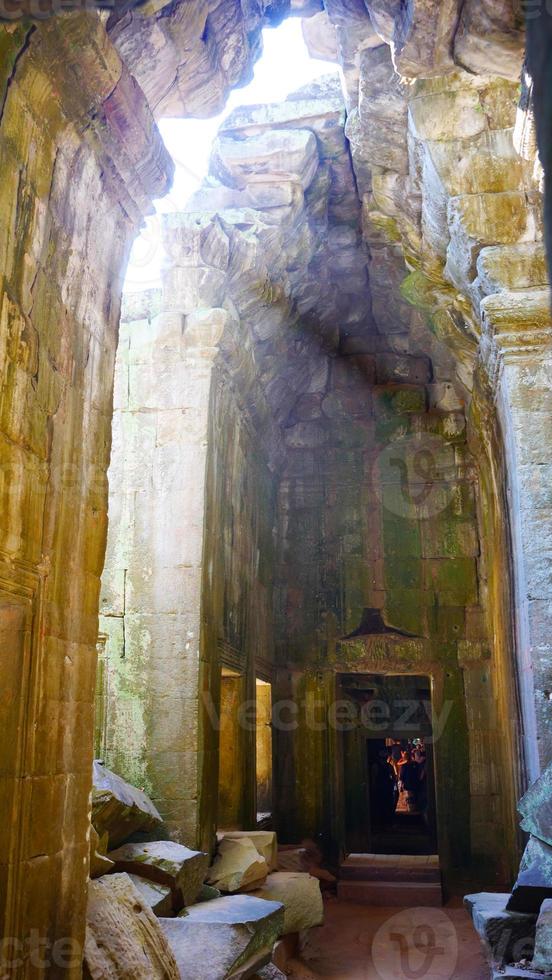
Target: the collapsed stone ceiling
(276, 236)
(436, 212)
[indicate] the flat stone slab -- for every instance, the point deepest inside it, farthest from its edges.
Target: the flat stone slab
(158, 897)
(515, 973)
(123, 936)
(231, 936)
(300, 895)
(118, 808)
(238, 866)
(507, 936)
(265, 841)
(167, 863)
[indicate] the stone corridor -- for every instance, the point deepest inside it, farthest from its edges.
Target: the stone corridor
(275, 546)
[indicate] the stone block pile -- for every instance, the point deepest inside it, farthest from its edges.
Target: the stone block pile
(516, 928)
(156, 909)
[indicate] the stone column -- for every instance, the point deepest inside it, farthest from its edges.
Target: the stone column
(517, 353)
(152, 584)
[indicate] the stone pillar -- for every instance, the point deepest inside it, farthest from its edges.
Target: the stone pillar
(517, 353)
(84, 161)
(152, 584)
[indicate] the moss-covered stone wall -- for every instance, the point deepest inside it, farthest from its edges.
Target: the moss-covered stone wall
(385, 514)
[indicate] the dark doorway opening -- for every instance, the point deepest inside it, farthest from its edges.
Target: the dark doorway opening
(388, 765)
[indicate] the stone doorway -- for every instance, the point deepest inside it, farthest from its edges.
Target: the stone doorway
(232, 751)
(388, 765)
(263, 750)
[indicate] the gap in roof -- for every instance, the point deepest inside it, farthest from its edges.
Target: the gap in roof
(284, 66)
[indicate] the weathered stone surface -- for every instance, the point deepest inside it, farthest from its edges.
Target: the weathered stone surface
(508, 936)
(490, 38)
(186, 870)
(160, 898)
(535, 808)
(320, 37)
(118, 808)
(270, 972)
(531, 888)
(229, 937)
(208, 893)
(95, 142)
(123, 937)
(265, 841)
(299, 894)
(277, 155)
(238, 865)
(100, 864)
(542, 959)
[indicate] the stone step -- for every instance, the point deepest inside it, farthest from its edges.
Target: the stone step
(405, 894)
(391, 867)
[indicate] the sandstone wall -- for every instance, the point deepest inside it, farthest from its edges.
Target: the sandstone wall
(187, 581)
(329, 387)
(451, 189)
(80, 164)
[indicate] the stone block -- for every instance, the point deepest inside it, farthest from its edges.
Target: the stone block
(405, 370)
(447, 115)
(118, 808)
(237, 866)
(542, 959)
(516, 973)
(159, 897)
(532, 887)
(398, 400)
(486, 164)
(521, 266)
(483, 219)
(454, 580)
(300, 895)
(123, 937)
(265, 841)
(507, 936)
(228, 937)
(535, 808)
(279, 155)
(185, 870)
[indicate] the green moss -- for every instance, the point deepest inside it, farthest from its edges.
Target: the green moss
(401, 536)
(403, 573)
(404, 609)
(417, 290)
(399, 400)
(455, 581)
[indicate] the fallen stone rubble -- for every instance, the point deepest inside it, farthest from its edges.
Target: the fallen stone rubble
(516, 928)
(157, 909)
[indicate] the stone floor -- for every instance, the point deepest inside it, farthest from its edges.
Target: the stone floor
(358, 942)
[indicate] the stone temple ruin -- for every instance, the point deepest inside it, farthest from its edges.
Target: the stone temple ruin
(276, 546)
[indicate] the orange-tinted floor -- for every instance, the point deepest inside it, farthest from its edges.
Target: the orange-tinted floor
(365, 943)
